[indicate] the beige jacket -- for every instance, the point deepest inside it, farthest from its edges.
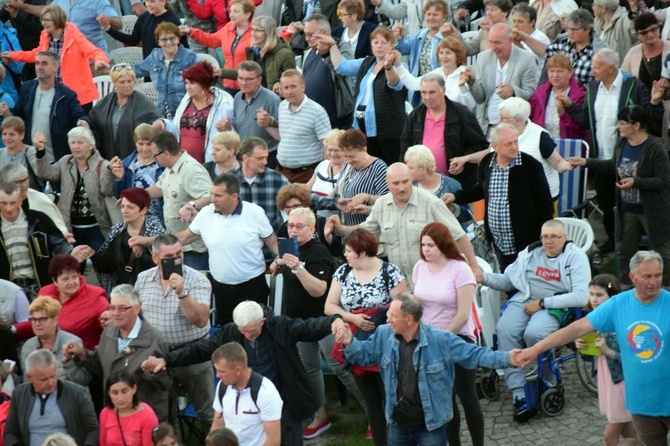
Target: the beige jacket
(98, 180)
(619, 34)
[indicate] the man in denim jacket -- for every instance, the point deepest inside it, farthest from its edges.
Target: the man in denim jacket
(416, 363)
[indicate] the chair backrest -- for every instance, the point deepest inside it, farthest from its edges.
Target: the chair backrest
(128, 23)
(276, 300)
(131, 55)
(148, 90)
(487, 303)
(579, 231)
(207, 58)
(572, 183)
(104, 85)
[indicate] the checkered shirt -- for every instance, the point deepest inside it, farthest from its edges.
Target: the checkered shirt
(581, 60)
(263, 192)
(500, 220)
(57, 47)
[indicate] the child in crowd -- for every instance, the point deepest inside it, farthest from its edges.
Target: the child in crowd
(221, 437)
(611, 392)
(164, 435)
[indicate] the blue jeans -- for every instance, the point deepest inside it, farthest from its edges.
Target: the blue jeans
(400, 436)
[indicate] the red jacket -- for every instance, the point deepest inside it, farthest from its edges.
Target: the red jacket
(75, 57)
(80, 314)
(216, 8)
(224, 38)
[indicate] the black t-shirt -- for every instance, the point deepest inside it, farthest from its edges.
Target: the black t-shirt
(319, 263)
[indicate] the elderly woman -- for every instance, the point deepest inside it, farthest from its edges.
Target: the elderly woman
(271, 52)
(549, 13)
(233, 38)
(549, 113)
(379, 94)
(225, 146)
(641, 163)
(65, 39)
(354, 31)
(44, 312)
(117, 114)
(523, 18)
(85, 181)
(363, 182)
(330, 170)
(165, 65)
(117, 261)
(613, 26)
(451, 54)
(200, 112)
(293, 196)
(496, 11)
(361, 292)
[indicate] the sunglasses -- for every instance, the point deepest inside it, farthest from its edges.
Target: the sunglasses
(121, 67)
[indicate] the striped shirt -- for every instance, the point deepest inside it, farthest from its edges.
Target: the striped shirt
(371, 180)
(301, 131)
(15, 235)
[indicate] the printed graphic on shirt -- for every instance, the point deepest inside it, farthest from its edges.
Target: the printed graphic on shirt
(645, 340)
(549, 275)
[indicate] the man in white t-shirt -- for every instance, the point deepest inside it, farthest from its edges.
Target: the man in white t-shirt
(250, 406)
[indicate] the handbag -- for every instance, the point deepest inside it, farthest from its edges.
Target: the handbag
(409, 415)
(344, 98)
(298, 42)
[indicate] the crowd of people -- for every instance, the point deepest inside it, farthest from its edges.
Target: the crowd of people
(340, 146)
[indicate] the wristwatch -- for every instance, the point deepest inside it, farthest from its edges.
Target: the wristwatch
(541, 303)
(183, 296)
(299, 268)
(192, 203)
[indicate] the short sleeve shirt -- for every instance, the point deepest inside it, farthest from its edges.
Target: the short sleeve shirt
(366, 296)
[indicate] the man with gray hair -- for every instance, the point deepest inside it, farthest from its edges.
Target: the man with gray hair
(124, 345)
(270, 344)
(45, 405)
(613, 26)
(610, 91)
(517, 195)
(417, 407)
(640, 317)
(453, 130)
(177, 305)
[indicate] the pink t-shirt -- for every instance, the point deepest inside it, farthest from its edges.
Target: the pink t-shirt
(437, 293)
(433, 138)
(137, 428)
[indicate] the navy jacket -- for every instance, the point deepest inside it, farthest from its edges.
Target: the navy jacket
(363, 46)
(65, 112)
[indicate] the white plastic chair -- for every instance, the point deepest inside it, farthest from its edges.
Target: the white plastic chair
(104, 85)
(131, 55)
(128, 22)
(579, 231)
(148, 90)
(207, 58)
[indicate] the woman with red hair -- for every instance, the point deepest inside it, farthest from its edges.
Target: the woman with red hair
(119, 261)
(203, 111)
(445, 286)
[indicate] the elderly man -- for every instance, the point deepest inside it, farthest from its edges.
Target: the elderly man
(270, 343)
(398, 217)
(303, 124)
(254, 416)
(613, 26)
(234, 232)
(550, 275)
(449, 129)
(517, 195)
(610, 91)
(500, 73)
(177, 305)
(34, 414)
(409, 389)
(639, 317)
(184, 185)
(124, 345)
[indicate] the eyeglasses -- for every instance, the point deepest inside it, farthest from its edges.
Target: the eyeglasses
(247, 79)
(290, 208)
(120, 308)
(43, 20)
(167, 39)
(257, 30)
(159, 154)
(21, 181)
(121, 67)
(553, 237)
(573, 30)
(297, 226)
(644, 32)
(39, 320)
(347, 14)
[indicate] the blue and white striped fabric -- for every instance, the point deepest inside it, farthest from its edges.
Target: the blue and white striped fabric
(573, 183)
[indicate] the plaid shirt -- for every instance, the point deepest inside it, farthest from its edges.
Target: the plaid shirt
(57, 47)
(581, 60)
(263, 192)
(500, 220)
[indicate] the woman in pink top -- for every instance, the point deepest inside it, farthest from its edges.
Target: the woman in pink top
(445, 285)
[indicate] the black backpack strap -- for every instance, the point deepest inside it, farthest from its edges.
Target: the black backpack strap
(254, 384)
(385, 276)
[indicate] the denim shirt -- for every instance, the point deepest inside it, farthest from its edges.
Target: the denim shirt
(439, 349)
(168, 81)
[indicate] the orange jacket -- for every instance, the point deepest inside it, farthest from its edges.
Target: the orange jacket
(75, 57)
(224, 38)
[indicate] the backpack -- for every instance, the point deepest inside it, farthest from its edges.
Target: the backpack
(254, 384)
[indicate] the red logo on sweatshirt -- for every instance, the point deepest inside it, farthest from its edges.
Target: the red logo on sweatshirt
(550, 275)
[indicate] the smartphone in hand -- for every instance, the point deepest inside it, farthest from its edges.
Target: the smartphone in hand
(171, 265)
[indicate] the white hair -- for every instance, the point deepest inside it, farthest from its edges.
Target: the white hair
(247, 312)
(516, 108)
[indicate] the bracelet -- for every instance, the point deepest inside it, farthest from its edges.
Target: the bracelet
(332, 45)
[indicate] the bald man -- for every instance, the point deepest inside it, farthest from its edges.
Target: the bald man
(398, 217)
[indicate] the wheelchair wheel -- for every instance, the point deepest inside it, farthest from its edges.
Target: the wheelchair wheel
(552, 402)
(490, 386)
(586, 372)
